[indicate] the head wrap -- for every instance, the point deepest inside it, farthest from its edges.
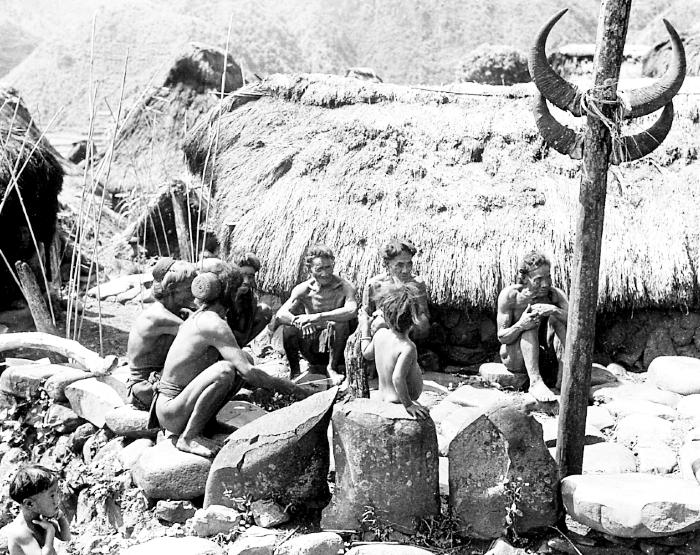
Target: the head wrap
(161, 268)
(207, 287)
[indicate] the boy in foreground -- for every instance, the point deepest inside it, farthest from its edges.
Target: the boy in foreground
(400, 377)
(40, 520)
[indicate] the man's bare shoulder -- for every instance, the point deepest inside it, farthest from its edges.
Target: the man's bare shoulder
(347, 286)
(510, 293)
(206, 320)
(558, 295)
(301, 290)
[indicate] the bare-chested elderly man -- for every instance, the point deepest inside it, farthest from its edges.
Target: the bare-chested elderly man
(317, 316)
(530, 314)
(205, 366)
(249, 316)
(154, 330)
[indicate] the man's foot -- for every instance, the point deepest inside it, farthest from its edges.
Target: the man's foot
(541, 392)
(335, 377)
(198, 446)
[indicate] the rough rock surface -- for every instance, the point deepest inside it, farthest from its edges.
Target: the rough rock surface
(92, 400)
(24, 380)
(641, 430)
(635, 392)
(387, 549)
(497, 373)
(281, 456)
(174, 511)
(497, 453)
(633, 505)
(187, 545)
(626, 407)
(165, 472)
(550, 429)
(687, 455)
(449, 419)
(117, 380)
(131, 453)
(607, 458)
(599, 417)
(676, 374)
(320, 543)
(56, 385)
(240, 413)
(386, 459)
(656, 459)
(255, 541)
(470, 396)
(62, 419)
(213, 520)
(689, 407)
(127, 421)
(267, 513)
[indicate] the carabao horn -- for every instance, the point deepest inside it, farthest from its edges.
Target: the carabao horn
(566, 96)
(565, 140)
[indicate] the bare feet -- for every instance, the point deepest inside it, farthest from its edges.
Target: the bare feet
(541, 392)
(198, 446)
(335, 377)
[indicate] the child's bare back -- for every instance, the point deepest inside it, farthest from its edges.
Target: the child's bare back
(396, 360)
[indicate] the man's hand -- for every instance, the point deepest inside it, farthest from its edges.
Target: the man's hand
(418, 411)
(529, 319)
(305, 320)
(544, 310)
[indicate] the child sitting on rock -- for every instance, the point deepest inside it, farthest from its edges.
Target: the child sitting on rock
(40, 520)
(400, 377)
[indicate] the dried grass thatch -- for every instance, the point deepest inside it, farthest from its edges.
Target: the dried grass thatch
(30, 160)
(467, 178)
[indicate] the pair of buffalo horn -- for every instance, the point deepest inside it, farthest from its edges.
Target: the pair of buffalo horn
(640, 102)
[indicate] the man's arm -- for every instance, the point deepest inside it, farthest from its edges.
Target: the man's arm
(404, 364)
(558, 308)
(285, 314)
(508, 333)
(225, 342)
(344, 313)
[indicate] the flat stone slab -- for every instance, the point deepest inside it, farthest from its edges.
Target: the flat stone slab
(620, 408)
(482, 397)
(449, 420)
(387, 549)
(128, 421)
(282, 455)
(550, 430)
(641, 430)
(25, 380)
(188, 545)
(117, 380)
(495, 372)
(689, 407)
(599, 417)
(634, 392)
(657, 459)
(255, 541)
(607, 458)
(92, 400)
(131, 453)
(56, 385)
(318, 543)
(676, 374)
(633, 505)
(384, 458)
(240, 413)
(165, 472)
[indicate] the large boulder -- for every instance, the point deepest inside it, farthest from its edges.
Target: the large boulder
(320, 543)
(634, 392)
(633, 505)
(165, 472)
(282, 455)
(384, 459)
(607, 458)
(498, 461)
(56, 385)
(641, 430)
(92, 400)
(25, 380)
(128, 421)
(676, 374)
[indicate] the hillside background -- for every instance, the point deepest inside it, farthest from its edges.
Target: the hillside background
(45, 47)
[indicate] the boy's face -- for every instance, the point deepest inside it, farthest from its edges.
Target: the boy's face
(46, 503)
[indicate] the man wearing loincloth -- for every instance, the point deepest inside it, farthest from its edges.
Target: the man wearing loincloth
(532, 316)
(249, 316)
(205, 366)
(397, 256)
(317, 316)
(155, 328)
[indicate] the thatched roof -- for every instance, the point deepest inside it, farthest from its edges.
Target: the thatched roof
(467, 178)
(657, 60)
(29, 159)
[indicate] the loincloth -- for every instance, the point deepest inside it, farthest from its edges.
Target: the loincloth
(139, 386)
(168, 390)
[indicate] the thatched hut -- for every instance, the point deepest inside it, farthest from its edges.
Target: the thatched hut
(467, 178)
(30, 179)
(658, 58)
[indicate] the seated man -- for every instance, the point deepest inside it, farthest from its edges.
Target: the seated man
(196, 382)
(317, 316)
(155, 328)
(530, 314)
(400, 377)
(249, 317)
(397, 257)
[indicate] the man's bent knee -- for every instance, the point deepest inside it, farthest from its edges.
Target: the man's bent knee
(512, 357)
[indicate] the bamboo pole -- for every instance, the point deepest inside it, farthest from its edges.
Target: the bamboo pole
(612, 30)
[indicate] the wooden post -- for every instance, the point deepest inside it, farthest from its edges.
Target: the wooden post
(356, 368)
(181, 227)
(35, 300)
(612, 30)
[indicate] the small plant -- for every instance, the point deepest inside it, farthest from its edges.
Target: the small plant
(513, 490)
(372, 523)
(242, 505)
(438, 532)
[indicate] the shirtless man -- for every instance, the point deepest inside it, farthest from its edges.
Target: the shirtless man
(400, 377)
(196, 382)
(156, 327)
(249, 317)
(531, 308)
(397, 256)
(317, 316)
